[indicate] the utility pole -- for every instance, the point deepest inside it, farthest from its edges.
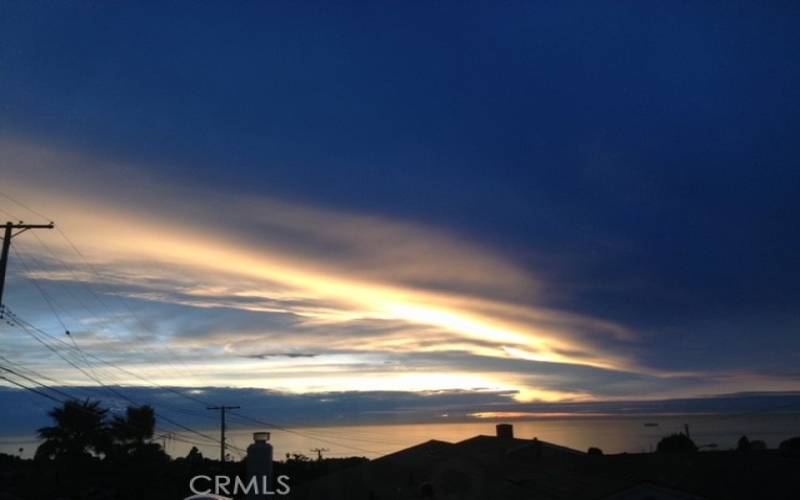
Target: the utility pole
(319, 451)
(222, 410)
(9, 234)
(166, 437)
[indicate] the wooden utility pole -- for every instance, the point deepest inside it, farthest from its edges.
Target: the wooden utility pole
(9, 234)
(222, 410)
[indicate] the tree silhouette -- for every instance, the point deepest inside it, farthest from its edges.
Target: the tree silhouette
(133, 432)
(790, 446)
(135, 428)
(194, 456)
(743, 445)
(79, 431)
(676, 443)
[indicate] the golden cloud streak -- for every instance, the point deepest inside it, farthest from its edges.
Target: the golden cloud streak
(154, 239)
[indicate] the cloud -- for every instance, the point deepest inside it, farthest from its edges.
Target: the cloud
(261, 291)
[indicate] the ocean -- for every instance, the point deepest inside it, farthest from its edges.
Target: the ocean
(611, 434)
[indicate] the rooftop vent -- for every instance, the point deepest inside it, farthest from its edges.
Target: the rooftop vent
(505, 431)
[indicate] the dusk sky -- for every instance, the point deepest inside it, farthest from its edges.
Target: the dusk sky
(555, 201)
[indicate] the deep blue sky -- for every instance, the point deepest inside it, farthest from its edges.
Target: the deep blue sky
(641, 157)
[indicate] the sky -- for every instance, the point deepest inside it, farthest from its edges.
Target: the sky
(532, 201)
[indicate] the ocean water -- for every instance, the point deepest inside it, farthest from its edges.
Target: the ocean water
(611, 434)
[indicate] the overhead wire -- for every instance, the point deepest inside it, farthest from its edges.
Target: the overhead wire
(119, 300)
(114, 392)
(53, 382)
(22, 324)
(131, 312)
(76, 278)
(312, 436)
(51, 304)
(110, 389)
(96, 274)
(70, 398)
(308, 435)
(9, 214)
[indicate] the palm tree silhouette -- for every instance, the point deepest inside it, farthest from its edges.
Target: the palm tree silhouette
(79, 431)
(133, 432)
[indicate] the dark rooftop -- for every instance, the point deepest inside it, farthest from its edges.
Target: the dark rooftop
(501, 467)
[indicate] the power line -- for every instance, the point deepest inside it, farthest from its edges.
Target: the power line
(51, 304)
(26, 207)
(106, 387)
(79, 408)
(254, 420)
(9, 214)
(48, 300)
(199, 400)
(57, 391)
(71, 397)
(20, 320)
(34, 374)
(52, 254)
(111, 389)
(304, 434)
(35, 391)
(311, 436)
(248, 418)
(94, 271)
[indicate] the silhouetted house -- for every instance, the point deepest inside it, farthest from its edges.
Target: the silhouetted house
(500, 466)
(504, 467)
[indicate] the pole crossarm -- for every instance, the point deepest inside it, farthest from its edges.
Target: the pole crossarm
(8, 235)
(27, 227)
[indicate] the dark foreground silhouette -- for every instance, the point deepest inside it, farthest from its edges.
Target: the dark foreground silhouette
(86, 454)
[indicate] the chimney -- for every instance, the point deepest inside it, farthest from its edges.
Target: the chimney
(505, 431)
(259, 465)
